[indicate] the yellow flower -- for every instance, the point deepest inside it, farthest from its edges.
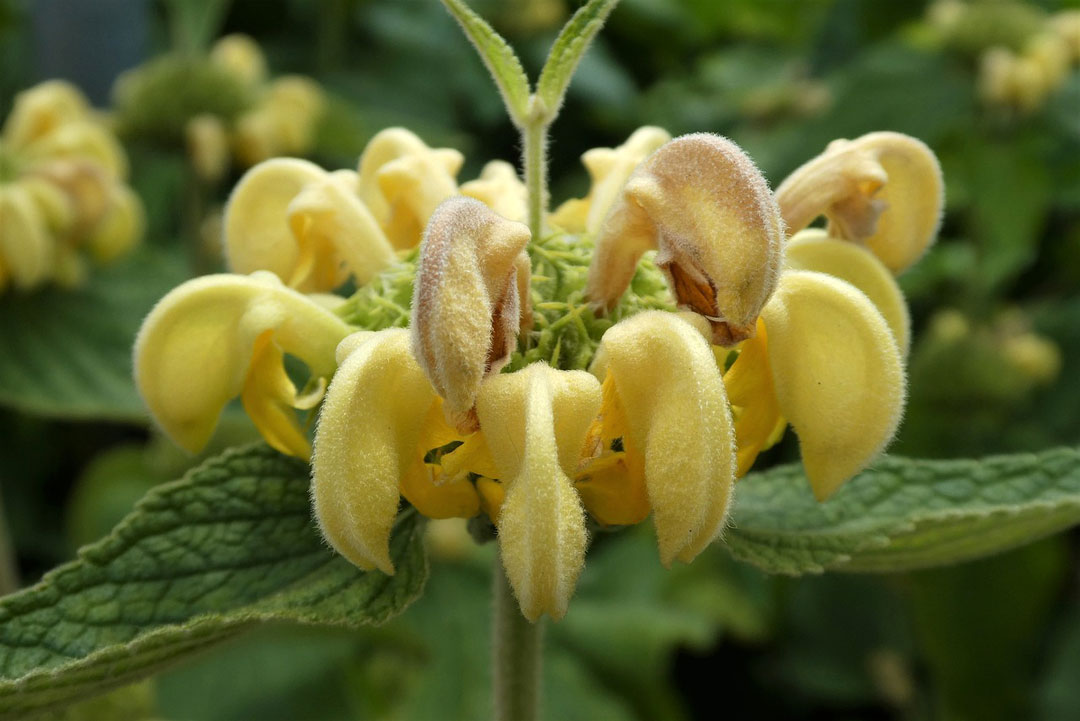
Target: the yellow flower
(62, 190)
(221, 336)
(635, 371)
(882, 190)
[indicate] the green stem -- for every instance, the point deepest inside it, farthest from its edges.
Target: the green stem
(534, 137)
(9, 573)
(517, 655)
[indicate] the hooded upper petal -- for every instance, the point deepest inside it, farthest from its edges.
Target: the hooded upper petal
(701, 203)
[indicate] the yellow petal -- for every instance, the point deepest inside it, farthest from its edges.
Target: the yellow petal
(838, 374)
(336, 236)
(465, 309)
(882, 189)
(41, 109)
(207, 146)
(703, 205)
(120, 229)
(535, 421)
(500, 188)
(610, 168)
(255, 137)
(27, 248)
(257, 232)
(813, 249)
(296, 103)
(196, 346)
(749, 384)
(304, 225)
(365, 442)
(56, 206)
(677, 416)
(81, 140)
(436, 496)
(571, 215)
(402, 181)
(269, 398)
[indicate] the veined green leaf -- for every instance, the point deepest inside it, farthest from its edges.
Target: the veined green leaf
(230, 545)
(905, 513)
(499, 58)
(574, 39)
(67, 353)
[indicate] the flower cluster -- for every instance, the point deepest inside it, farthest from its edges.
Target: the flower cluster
(224, 107)
(633, 362)
(1024, 56)
(63, 195)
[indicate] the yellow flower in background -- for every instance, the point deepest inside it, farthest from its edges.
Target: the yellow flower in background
(635, 371)
(63, 196)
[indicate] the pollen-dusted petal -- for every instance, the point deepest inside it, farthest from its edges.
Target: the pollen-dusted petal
(500, 189)
(535, 421)
(195, 348)
(257, 232)
(336, 236)
(26, 247)
(703, 205)
(813, 249)
(678, 418)
(838, 374)
(882, 189)
(366, 439)
(402, 181)
(465, 309)
(41, 109)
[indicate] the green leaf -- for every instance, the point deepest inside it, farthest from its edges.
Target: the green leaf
(68, 353)
(498, 57)
(574, 39)
(904, 513)
(230, 545)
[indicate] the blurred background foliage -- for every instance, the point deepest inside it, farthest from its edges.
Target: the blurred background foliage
(995, 366)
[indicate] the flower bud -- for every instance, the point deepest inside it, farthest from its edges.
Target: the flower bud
(207, 146)
(701, 203)
(883, 190)
(240, 55)
(466, 305)
(402, 181)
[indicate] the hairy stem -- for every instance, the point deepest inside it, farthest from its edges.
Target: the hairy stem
(517, 655)
(534, 139)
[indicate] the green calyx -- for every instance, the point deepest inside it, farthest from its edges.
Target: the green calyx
(566, 329)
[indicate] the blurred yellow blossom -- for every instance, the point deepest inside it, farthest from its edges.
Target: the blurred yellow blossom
(63, 195)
